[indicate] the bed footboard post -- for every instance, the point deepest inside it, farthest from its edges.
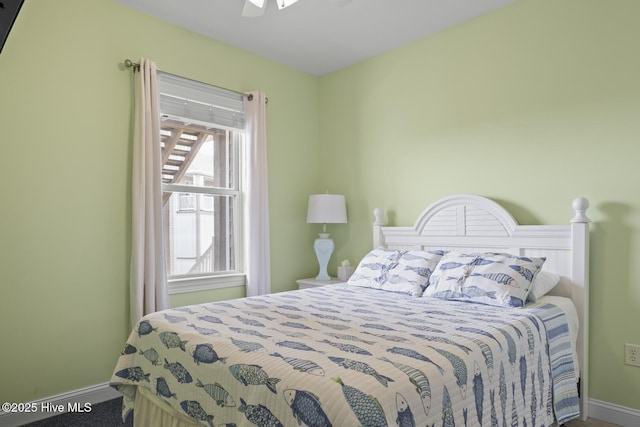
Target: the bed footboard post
(580, 292)
(378, 239)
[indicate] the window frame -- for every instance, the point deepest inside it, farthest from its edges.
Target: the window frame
(184, 283)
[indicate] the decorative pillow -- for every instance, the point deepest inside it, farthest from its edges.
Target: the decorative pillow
(488, 278)
(373, 267)
(396, 271)
(450, 273)
(542, 284)
(413, 270)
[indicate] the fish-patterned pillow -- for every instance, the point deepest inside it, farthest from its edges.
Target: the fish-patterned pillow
(402, 271)
(373, 267)
(489, 278)
(412, 271)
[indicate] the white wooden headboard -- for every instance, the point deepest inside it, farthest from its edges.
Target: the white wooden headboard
(473, 223)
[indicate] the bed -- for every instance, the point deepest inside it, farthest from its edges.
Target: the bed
(399, 344)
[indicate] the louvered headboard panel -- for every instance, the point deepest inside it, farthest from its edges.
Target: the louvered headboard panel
(471, 223)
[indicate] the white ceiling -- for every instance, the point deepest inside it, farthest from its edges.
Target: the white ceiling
(318, 36)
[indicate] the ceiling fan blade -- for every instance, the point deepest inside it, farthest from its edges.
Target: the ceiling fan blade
(285, 3)
(253, 8)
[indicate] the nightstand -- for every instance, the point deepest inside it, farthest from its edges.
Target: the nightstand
(313, 283)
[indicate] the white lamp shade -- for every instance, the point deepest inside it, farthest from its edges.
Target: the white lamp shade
(259, 3)
(327, 209)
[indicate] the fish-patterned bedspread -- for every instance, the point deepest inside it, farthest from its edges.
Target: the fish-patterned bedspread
(341, 355)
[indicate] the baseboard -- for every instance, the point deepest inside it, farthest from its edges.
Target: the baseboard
(615, 414)
(82, 399)
(73, 401)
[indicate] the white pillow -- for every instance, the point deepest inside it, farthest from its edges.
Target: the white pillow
(542, 284)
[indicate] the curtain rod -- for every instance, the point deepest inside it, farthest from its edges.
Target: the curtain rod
(136, 67)
(130, 64)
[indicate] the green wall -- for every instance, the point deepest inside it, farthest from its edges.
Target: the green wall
(532, 106)
(65, 127)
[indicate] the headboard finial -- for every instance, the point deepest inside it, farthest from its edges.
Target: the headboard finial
(580, 206)
(377, 214)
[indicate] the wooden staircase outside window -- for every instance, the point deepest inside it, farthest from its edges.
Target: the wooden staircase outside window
(180, 144)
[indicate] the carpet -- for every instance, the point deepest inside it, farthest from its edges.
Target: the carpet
(105, 414)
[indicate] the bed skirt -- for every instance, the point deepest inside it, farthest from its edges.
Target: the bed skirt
(150, 410)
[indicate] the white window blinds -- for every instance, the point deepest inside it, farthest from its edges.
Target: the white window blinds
(197, 102)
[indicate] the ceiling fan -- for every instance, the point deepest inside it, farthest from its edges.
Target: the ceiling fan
(254, 8)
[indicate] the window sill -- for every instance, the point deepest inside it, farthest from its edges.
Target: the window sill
(195, 284)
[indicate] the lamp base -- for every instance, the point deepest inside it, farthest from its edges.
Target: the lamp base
(323, 247)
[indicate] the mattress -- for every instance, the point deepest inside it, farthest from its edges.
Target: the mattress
(343, 355)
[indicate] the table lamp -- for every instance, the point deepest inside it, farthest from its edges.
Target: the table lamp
(325, 209)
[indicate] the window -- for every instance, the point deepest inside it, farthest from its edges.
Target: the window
(201, 138)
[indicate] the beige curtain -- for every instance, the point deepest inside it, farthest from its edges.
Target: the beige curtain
(148, 281)
(256, 206)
